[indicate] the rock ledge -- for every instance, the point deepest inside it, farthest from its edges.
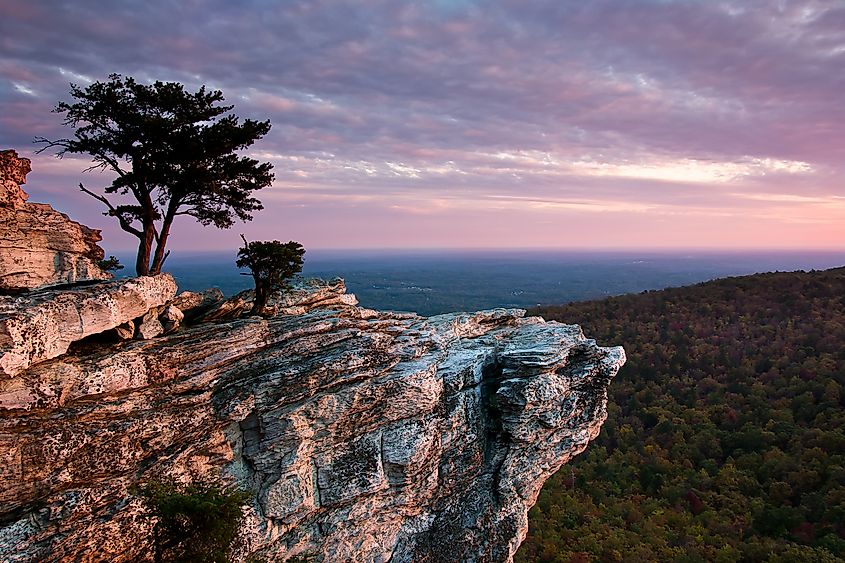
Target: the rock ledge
(41, 325)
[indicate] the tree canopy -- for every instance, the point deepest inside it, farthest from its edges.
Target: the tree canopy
(174, 153)
(725, 436)
(271, 264)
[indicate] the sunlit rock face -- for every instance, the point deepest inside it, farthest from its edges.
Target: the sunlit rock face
(39, 246)
(41, 325)
(363, 435)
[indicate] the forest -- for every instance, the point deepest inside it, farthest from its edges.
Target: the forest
(725, 436)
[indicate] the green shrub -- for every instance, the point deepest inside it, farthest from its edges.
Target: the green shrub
(196, 522)
(271, 265)
(110, 264)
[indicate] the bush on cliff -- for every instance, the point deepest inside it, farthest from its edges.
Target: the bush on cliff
(271, 264)
(196, 522)
(110, 264)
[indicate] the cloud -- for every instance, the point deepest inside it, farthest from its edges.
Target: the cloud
(653, 106)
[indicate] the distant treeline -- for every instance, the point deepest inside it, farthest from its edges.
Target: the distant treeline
(725, 438)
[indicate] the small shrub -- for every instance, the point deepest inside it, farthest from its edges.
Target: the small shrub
(110, 264)
(196, 522)
(271, 265)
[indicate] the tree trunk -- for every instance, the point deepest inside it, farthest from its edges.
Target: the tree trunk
(160, 255)
(261, 296)
(145, 248)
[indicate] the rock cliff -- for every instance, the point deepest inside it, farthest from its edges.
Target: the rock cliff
(39, 246)
(362, 435)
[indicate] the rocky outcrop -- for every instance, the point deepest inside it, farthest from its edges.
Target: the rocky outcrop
(362, 435)
(40, 247)
(41, 325)
(13, 171)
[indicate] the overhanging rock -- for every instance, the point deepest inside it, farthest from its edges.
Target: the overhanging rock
(41, 325)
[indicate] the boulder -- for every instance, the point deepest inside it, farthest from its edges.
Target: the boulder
(125, 331)
(149, 326)
(171, 318)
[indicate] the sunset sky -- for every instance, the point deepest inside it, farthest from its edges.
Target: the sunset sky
(454, 123)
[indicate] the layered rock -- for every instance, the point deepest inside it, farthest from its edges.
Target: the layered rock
(194, 304)
(41, 325)
(362, 435)
(40, 247)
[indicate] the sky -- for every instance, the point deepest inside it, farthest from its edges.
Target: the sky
(608, 124)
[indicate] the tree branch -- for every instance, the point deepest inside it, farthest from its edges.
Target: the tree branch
(48, 144)
(124, 224)
(111, 162)
(105, 160)
(164, 259)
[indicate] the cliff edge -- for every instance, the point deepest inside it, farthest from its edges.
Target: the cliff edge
(363, 435)
(359, 435)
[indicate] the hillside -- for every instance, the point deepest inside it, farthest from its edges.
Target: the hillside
(724, 439)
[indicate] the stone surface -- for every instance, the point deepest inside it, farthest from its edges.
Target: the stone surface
(363, 435)
(194, 304)
(230, 309)
(40, 247)
(13, 171)
(171, 318)
(125, 331)
(303, 295)
(149, 325)
(41, 325)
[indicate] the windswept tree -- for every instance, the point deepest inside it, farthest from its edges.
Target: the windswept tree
(271, 265)
(173, 152)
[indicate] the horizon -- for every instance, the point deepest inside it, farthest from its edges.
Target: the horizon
(437, 281)
(456, 124)
(529, 250)
(423, 262)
